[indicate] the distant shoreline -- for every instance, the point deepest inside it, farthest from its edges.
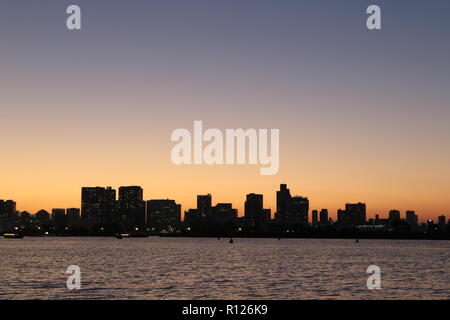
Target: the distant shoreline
(241, 236)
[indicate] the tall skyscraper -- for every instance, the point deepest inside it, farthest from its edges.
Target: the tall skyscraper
(253, 206)
(315, 218)
(324, 217)
(291, 209)
(132, 206)
(204, 204)
(441, 221)
(341, 217)
(283, 196)
(98, 204)
(256, 217)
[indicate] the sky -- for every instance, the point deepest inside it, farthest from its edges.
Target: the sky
(363, 115)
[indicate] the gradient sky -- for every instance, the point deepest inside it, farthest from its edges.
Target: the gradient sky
(363, 115)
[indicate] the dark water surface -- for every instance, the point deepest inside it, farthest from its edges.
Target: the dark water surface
(190, 268)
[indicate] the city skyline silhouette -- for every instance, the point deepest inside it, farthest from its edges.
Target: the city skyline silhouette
(241, 207)
(107, 210)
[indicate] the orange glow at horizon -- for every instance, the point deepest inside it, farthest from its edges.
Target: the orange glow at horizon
(184, 183)
(328, 151)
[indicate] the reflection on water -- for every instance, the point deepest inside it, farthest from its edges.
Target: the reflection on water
(186, 268)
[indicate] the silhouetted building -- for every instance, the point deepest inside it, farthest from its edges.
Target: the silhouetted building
(297, 210)
(341, 218)
(283, 196)
(73, 213)
(132, 206)
(381, 222)
(223, 212)
(73, 218)
(412, 219)
(291, 210)
(98, 205)
(255, 216)
(353, 215)
(204, 204)
(202, 213)
(357, 211)
(163, 215)
(193, 216)
(7, 214)
(253, 206)
(324, 217)
(267, 213)
(394, 215)
(25, 219)
(430, 227)
(42, 219)
(441, 223)
(59, 219)
(7, 208)
(200, 216)
(315, 218)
